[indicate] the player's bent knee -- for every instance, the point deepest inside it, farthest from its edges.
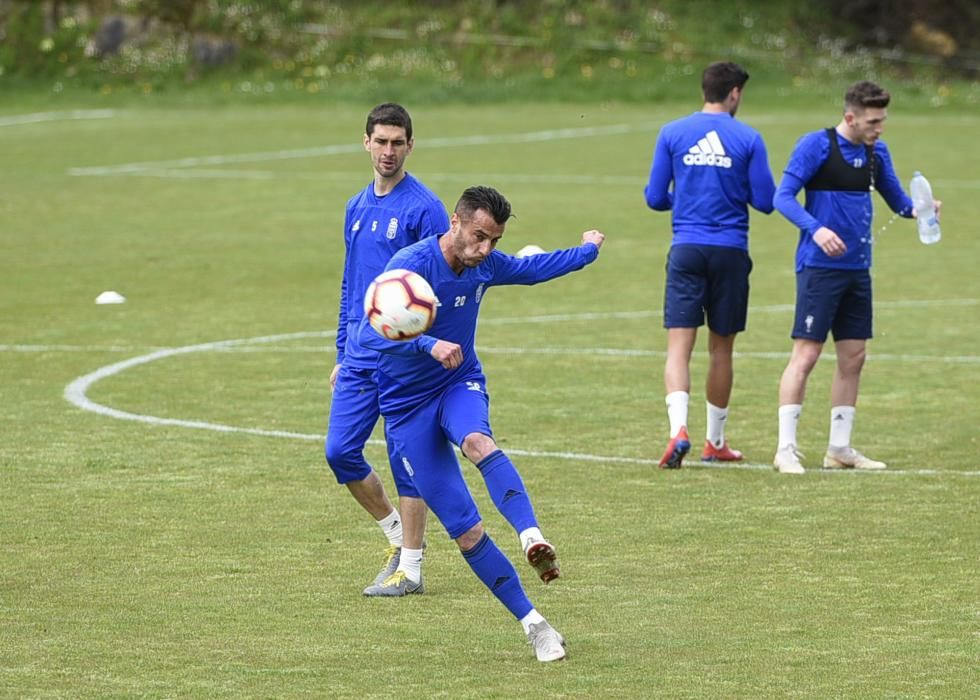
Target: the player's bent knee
(469, 539)
(477, 446)
(347, 465)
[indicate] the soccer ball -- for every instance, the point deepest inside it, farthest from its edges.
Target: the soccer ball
(400, 305)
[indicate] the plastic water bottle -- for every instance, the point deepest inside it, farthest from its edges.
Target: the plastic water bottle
(929, 232)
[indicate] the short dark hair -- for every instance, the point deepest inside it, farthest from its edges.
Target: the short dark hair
(486, 198)
(389, 114)
(865, 94)
(719, 78)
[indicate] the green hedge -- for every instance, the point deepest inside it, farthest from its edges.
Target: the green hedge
(468, 50)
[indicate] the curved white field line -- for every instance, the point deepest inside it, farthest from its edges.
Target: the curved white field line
(76, 394)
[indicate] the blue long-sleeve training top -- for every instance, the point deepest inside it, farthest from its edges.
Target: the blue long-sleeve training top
(375, 227)
(408, 375)
(718, 167)
(846, 213)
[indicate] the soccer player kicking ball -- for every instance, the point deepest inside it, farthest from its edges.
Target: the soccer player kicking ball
(433, 396)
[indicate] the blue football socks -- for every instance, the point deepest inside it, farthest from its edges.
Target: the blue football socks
(507, 490)
(499, 575)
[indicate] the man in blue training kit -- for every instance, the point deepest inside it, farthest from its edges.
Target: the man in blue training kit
(394, 211)
(839, 168)
(718, 167)
(433, 396)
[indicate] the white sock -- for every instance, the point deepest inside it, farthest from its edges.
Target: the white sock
(677, 410)
(716, 425)
(532, 533)
(789, 417)
(532, 618)
(841, 423)
(392, 527)
(411, 563)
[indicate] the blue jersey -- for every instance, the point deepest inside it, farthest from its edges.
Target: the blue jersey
(374, 229)
(846, 213)
(408, 375)
(718, 166)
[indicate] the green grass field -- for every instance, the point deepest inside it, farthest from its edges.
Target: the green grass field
(204, 550)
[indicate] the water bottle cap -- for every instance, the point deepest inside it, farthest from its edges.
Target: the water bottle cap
(916, 174)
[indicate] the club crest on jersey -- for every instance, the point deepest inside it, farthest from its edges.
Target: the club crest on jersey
(392, 228)
(708, 151)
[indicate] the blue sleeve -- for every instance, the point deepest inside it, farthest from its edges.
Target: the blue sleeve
(542, 267)
(786, 203)
(761, 185)
(889, 185)
(657, 191)
(371, 339)
(342, 315)
(808, 155)
(433, 220)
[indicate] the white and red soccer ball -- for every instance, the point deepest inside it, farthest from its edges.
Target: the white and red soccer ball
(400, 305)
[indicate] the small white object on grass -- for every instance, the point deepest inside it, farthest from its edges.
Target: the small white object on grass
(528, 251)
(110, 297)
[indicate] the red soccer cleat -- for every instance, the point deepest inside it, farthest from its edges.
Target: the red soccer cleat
(720, 454)
(678, 446)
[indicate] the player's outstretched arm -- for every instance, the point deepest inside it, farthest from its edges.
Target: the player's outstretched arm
(547, 266)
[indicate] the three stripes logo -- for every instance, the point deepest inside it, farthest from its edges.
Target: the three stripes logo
(500, 581)
(708, 151)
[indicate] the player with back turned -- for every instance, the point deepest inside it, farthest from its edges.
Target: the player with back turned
(433, 396)
(718, 167)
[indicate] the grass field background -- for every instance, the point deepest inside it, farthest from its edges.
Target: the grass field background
(166, 560)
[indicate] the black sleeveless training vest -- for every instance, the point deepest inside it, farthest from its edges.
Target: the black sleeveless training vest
(837, 174)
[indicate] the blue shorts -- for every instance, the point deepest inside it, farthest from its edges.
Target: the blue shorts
(832, 300)
(353, 414)
(425, 436)
(707, 279)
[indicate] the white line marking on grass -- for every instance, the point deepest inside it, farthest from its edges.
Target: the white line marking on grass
(449, 142)
(191, 162)
(783, 355)
(72, 348)
(72, 115)
(499, 350)
(201, 174)
(75, 393)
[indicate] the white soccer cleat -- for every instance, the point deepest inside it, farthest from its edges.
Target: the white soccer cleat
(849, 458)
(787, 460)
(547, 643)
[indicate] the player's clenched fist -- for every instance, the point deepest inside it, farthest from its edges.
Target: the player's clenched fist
(448, 354)
(596, 237)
